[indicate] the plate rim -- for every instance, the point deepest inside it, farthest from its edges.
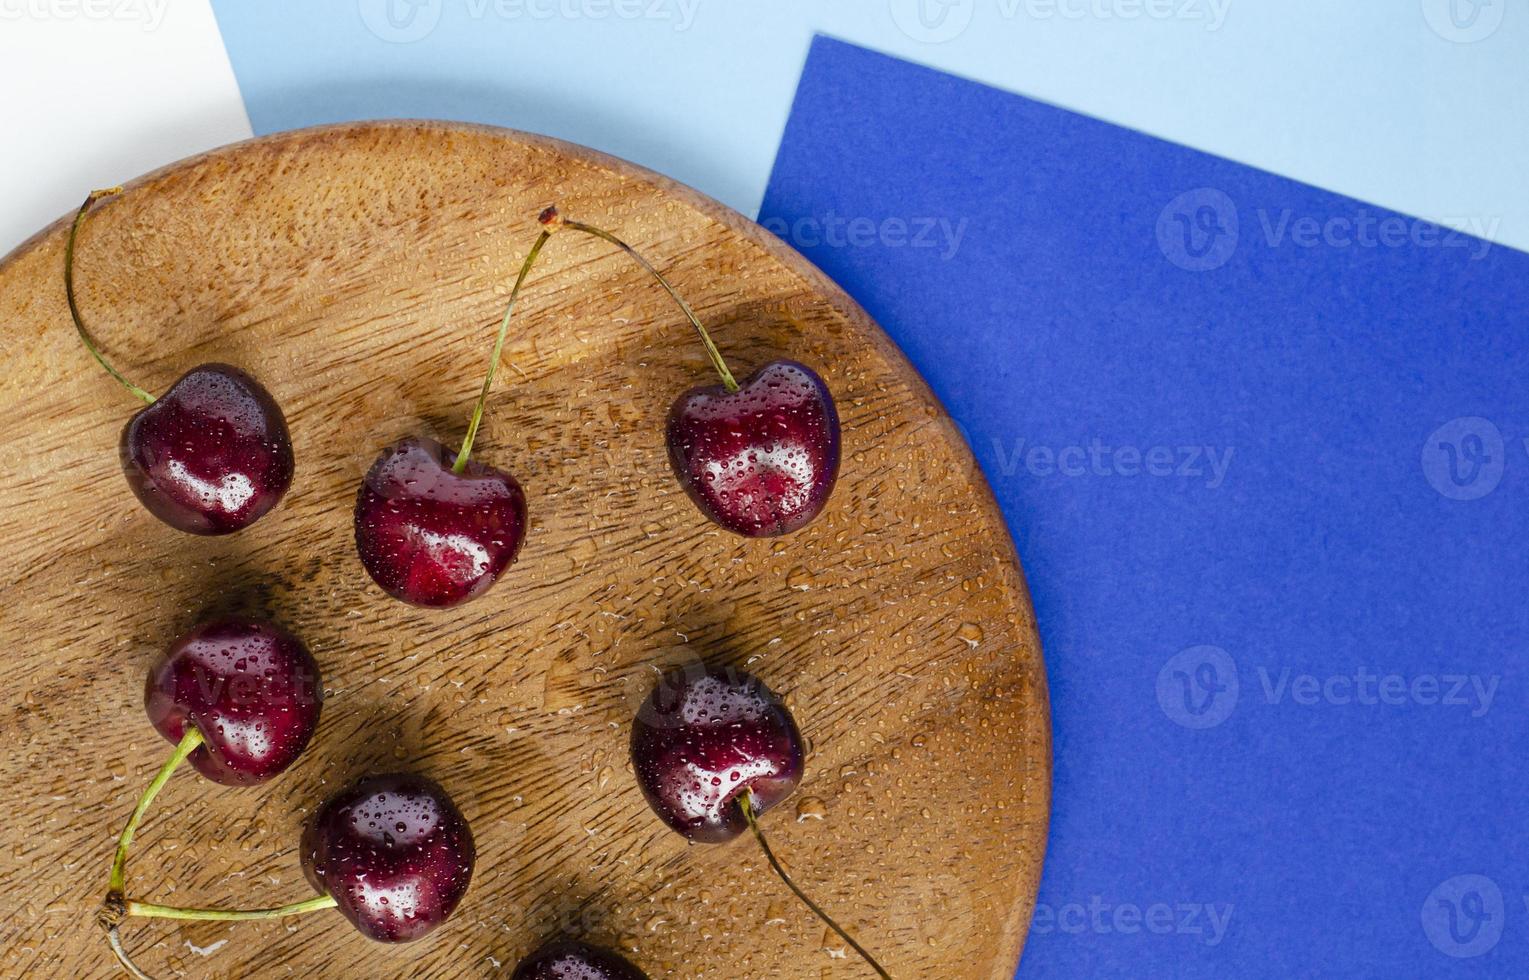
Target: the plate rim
(737, 223)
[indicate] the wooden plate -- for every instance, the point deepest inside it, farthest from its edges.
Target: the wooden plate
(360, 271)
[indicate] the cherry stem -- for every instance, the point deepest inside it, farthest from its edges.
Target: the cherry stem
(116, 908)
(493, 363)
(552, 219)
(151, 911)
(746, 804)
(115, 939)
(187, 745)
(74, 306)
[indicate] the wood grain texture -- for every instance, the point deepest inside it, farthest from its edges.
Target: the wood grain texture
(360, 271)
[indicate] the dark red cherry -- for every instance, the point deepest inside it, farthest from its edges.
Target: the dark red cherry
(569, 960)
(394, 851)
(433, 537)
(209, 456)
(252, 690)
(759, 458)
(703, 736)
(762, 460)
(212, 454)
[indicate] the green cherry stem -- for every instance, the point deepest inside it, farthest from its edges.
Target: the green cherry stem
(116, 908)
(74, 306)
(187, 745)
(151, 911)
(746, 804)
(493, 363)
(553, 220)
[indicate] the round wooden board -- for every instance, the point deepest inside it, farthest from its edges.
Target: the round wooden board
(360, 271)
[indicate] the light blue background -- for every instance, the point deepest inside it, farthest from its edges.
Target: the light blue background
(1358, 96)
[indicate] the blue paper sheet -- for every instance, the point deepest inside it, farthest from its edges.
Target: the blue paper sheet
(1264, 451)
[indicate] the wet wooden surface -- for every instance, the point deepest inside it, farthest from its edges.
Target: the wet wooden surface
(360, 272)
